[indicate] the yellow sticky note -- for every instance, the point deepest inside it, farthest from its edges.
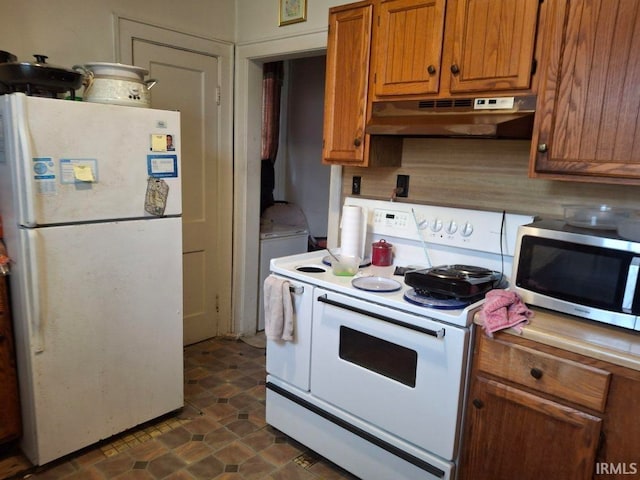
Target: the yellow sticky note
(83, 173)
(159, 143)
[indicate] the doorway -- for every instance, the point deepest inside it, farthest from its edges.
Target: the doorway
(248, 97)
(194, 77)
(301, 178)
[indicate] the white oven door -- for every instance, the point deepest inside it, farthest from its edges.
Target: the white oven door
(400, 372)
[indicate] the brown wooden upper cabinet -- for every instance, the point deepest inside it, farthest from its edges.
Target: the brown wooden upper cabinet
(348, 51)
(444, 47)
(346, 100)
(587, 126)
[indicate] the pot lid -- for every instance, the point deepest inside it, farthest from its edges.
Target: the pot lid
(41, 63)
(38, 75)
(114, 69)
(381, 244)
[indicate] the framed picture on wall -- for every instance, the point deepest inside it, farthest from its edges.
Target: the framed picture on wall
(292, 11)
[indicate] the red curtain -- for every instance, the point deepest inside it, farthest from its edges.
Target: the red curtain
(271, 92)
(272, 75)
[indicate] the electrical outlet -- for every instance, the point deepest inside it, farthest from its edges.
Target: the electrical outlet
(402, 186)
(355, 185)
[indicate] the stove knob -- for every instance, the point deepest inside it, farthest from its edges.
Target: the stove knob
(452, 227)
(467, 229)
(436, 225)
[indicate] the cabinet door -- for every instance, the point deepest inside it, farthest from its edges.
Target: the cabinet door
(587, 114)
(492, 44)
(409, 47)
(511, 434)
(348, 51)
(10, 423)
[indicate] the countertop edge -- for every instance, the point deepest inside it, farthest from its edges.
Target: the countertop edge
(607, 343)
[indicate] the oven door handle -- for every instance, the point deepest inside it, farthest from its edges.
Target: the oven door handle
(434, 333)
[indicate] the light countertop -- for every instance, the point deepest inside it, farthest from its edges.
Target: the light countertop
(610, 344)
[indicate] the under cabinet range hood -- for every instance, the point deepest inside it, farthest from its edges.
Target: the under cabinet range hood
(492, 117)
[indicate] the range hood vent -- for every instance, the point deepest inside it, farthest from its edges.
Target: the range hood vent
(449, 104)
(493, 117)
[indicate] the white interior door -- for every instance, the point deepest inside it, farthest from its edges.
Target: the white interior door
(190, 82)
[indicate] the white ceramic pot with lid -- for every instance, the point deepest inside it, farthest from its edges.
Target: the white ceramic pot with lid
(116, 83)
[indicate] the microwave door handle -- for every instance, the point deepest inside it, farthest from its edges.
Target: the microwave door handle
(631, 285)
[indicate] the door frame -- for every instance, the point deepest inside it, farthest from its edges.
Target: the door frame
(247, 137)
(126, 30)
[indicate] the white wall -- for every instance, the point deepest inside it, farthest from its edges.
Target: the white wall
(307, 179)
(72, 32)
(260, 39)
(79, 31)
(258, 19)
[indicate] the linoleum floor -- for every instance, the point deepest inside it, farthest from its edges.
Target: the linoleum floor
(221, 433)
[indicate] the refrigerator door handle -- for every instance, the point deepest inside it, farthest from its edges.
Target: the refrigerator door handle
(26, 207)
(34, 248)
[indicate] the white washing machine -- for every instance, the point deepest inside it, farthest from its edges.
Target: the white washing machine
(277, 241)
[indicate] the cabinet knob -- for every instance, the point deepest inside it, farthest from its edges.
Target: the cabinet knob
(477, 403)
(431, 69)
(455, 69)
(543, 148)
(357, 142)
(536, 373)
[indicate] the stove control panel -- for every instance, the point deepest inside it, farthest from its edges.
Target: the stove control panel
(455, 227)
(392, 219)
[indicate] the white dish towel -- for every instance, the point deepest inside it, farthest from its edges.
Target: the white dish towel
(278, 309)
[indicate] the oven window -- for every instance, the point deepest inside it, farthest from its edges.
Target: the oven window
(393, 361)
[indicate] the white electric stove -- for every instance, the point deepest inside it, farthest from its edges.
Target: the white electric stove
(449, 236)
(374, 380)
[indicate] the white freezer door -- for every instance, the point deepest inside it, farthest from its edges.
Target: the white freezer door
(77, 161)
(98, 314)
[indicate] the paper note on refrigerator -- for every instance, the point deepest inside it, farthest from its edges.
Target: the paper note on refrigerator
(78, 170)
(83, 173)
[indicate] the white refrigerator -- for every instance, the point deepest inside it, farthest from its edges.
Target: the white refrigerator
(90, 199)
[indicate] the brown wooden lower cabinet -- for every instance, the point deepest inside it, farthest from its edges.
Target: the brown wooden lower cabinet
(527, 415)
(513, 425)
(10, 423)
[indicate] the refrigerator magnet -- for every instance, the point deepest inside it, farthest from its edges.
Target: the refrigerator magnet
(162, 142)
(155, 199)
(44, 175)
(160, 166)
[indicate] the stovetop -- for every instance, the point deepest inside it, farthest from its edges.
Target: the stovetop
(288, 267)
(422, 236)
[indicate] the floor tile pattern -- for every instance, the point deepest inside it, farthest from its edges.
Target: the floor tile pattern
(221, 433)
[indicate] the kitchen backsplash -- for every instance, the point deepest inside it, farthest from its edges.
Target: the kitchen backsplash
(481, 173)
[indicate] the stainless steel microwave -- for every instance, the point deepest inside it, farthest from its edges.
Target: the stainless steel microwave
(592, 274)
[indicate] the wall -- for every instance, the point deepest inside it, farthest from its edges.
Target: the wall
(307, 179)
(259, 40)
(258, 20)
(482, 173)
(72, 32)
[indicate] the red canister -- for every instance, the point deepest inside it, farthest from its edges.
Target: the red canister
(381, 253)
